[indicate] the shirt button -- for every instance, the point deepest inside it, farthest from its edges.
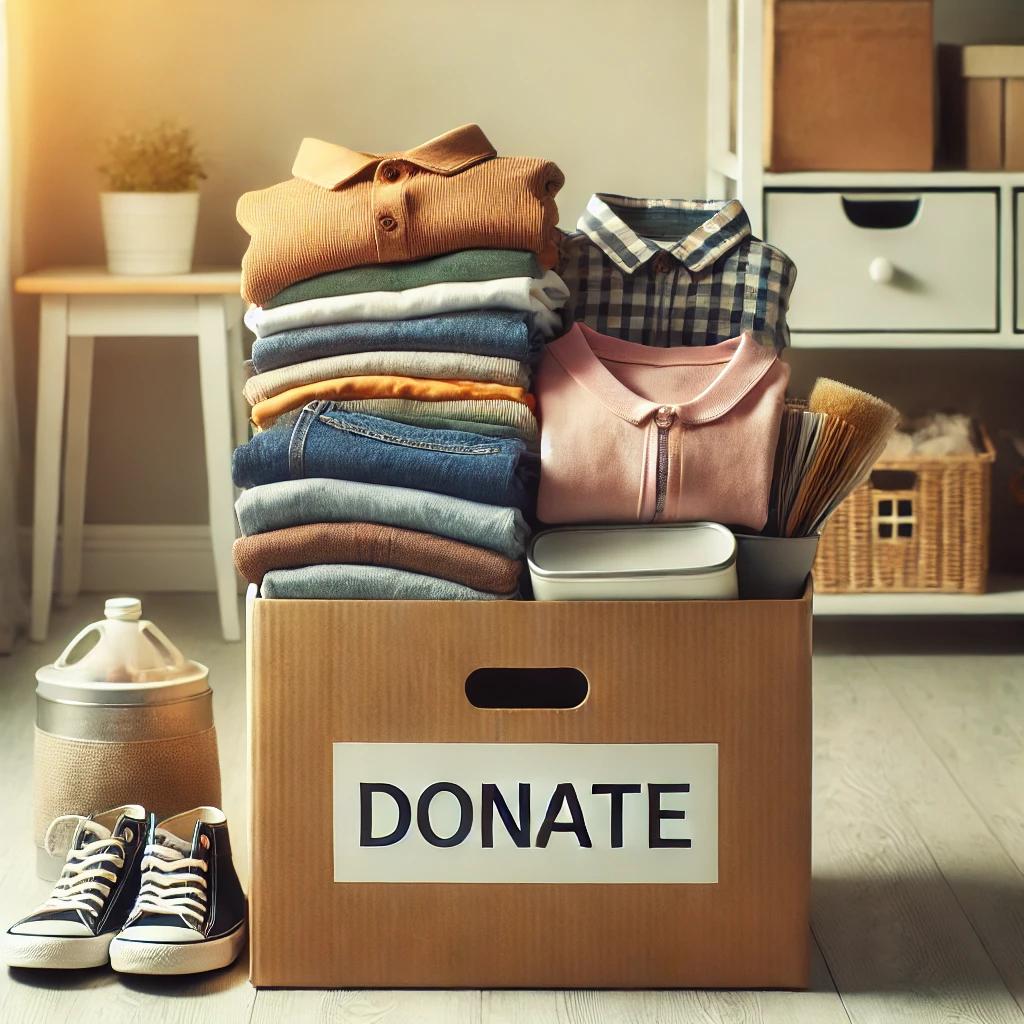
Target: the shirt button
(391, 173)
(387, 222)
(662, 263)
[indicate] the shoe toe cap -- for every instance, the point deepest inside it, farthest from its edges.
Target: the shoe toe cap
(57, 929)
(159, 933)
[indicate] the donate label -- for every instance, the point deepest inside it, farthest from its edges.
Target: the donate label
(526, 812)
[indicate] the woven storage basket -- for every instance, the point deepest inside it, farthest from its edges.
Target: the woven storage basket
(916, 524)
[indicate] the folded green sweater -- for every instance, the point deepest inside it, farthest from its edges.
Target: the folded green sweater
(465, 265)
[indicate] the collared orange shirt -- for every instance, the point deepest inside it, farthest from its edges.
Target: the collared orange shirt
(347, 209)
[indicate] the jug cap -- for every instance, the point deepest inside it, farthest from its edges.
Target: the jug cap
(125, 609)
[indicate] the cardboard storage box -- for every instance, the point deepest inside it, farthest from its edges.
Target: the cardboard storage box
(982, 97)
(412, 828)
(850, 85)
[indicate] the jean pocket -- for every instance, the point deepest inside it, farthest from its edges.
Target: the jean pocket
(407, 442)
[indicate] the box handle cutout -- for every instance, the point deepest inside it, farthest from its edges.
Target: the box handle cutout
(527, 688)
(876, 212)
(893, 479)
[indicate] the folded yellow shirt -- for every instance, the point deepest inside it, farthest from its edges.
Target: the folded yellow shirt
(419, 388)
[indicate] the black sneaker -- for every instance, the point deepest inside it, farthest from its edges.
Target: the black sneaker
(190, 911)
(92, 898)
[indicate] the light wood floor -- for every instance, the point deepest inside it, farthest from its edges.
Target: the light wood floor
(918, 850)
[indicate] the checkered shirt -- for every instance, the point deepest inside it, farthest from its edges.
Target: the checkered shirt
(707, 283)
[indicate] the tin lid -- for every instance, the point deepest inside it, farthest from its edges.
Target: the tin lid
(655, 549)
(52, 684)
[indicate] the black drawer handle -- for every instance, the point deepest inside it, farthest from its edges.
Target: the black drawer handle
(875, 212)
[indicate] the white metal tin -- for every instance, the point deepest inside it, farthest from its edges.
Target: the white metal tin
(654, 562)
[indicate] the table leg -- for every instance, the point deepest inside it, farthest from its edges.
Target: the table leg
(53, 350)
(76, 461)
(213, 385)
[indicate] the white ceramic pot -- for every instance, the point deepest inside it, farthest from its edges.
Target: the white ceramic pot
(149, 232)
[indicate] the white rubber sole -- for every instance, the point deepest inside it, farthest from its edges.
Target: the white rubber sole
(55, 952)
(130, 957)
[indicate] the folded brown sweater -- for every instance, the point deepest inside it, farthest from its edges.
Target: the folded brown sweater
(374, 544)
(346, 209)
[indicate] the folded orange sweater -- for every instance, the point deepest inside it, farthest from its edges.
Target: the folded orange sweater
(421, 389)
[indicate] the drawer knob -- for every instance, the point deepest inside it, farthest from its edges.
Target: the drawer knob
(881, 270)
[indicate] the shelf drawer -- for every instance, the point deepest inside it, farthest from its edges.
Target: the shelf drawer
(889, 260)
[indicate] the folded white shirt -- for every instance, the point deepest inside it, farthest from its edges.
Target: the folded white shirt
(541, 296)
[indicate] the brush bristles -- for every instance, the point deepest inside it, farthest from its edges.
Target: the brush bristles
(872, 420)
(865, 413)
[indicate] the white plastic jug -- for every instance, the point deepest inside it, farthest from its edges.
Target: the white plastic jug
(130, 721)
(129, 649)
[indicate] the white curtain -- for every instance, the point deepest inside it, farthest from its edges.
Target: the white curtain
(12, 602)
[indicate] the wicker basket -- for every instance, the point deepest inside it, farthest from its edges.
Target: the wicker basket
(917, 524)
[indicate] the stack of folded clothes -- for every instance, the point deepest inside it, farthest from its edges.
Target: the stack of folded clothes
(398, 302)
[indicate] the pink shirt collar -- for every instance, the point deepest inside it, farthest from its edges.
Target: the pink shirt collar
(581, 350)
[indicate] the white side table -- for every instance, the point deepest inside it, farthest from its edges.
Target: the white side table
(77, 304)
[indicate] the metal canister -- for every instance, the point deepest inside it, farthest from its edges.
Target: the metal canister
(99, 744)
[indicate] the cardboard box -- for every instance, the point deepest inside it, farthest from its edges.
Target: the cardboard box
(850, 85)
(652, 833)
(982, 104)
(1013, 125)
(983, 127)
(987, 60)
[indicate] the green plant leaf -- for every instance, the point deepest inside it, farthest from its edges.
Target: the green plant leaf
(161, 158)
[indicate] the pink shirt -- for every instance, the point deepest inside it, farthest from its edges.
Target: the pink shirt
(637, 434)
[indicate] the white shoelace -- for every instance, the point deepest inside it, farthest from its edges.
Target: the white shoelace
(172, 884)
(86, 879)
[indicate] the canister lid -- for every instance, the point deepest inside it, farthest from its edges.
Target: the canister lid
(52, 684)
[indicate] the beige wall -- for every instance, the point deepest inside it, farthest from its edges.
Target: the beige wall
(613, 92)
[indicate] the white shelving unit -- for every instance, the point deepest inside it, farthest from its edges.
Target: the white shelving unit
(735, 149)
(1005, 596)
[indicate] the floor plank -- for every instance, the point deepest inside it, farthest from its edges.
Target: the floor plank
(976, 728)
(958, 718)
(583, 1007)
(894, 935)
(366, 1007)
(819, 1005)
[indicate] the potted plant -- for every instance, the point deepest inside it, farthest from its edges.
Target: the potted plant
(151, 204)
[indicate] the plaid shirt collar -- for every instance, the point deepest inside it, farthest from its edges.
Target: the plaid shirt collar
(727, 226)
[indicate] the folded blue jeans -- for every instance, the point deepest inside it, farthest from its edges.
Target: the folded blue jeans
(351, 446)
(299, 502)
(503, 418)
(485, 332)
(365, 583)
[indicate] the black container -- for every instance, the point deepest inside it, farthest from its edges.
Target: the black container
(773, 568)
